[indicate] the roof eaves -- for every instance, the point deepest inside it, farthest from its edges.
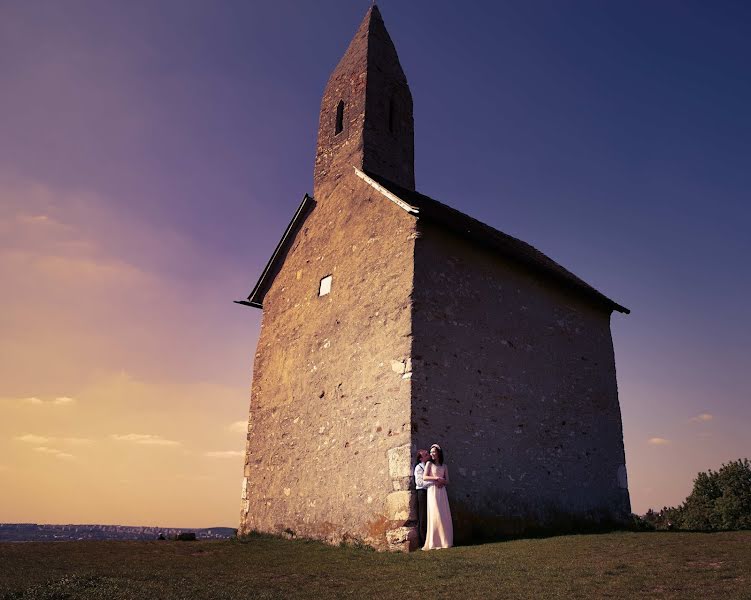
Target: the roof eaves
(520, 251)
(255, 299)
(386, 192)
(494, 240)
(482, 234)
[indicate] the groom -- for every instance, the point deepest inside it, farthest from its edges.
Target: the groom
(422, 495)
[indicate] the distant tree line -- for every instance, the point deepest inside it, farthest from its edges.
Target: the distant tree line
(719, 501)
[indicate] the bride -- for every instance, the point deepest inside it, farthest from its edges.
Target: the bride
(440, 528)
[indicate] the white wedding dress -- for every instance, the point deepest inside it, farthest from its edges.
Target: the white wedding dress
(440, 528)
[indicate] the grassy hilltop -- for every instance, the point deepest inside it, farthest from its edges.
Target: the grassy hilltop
(614, 565)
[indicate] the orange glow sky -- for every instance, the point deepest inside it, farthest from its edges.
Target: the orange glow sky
(118, 402)
(152, 154)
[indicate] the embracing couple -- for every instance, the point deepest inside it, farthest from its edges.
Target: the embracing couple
(434, 526)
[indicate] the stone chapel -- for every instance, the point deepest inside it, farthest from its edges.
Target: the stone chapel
(392, 321)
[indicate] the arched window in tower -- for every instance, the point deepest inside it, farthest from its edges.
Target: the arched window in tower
(392, 116)
(339, 117)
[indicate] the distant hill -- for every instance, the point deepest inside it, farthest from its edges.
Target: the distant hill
(33, 532)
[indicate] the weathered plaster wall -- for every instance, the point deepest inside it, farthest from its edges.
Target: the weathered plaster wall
(516, 380)
(328, 448)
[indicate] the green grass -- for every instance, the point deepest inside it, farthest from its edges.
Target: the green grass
(613, 565)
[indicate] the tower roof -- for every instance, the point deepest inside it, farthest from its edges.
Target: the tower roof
(366, 111)
(371, 47)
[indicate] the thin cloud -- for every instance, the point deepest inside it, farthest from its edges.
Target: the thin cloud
(54, 452)
(30, 438)
(658, 441)
(702, 418)
(35, 219)
(59, 401)
(224, 453)
(238, 427)
(63, 400)
(145, 439)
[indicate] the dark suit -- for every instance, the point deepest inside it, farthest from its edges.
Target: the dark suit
(422, 508)
(422, 515)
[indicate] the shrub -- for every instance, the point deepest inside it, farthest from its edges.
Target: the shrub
(644, 523)
(720, 500)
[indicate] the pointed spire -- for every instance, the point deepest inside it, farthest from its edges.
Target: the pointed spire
(366, 111)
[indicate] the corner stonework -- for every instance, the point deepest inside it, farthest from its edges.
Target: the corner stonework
(401, 510)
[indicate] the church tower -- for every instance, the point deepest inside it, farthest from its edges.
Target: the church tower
(366, 113)
(392, 321)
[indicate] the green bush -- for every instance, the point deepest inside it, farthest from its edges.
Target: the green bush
(719, 501)
(666, 519)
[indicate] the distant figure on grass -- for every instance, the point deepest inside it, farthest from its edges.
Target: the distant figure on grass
(422, 494)
(440, 533)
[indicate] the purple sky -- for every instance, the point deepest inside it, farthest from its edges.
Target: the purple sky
(151, 154)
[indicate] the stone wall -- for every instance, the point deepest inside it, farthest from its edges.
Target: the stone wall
(515, 379)
(329, 441)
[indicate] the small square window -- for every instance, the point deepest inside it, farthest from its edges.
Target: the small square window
(325, 287)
